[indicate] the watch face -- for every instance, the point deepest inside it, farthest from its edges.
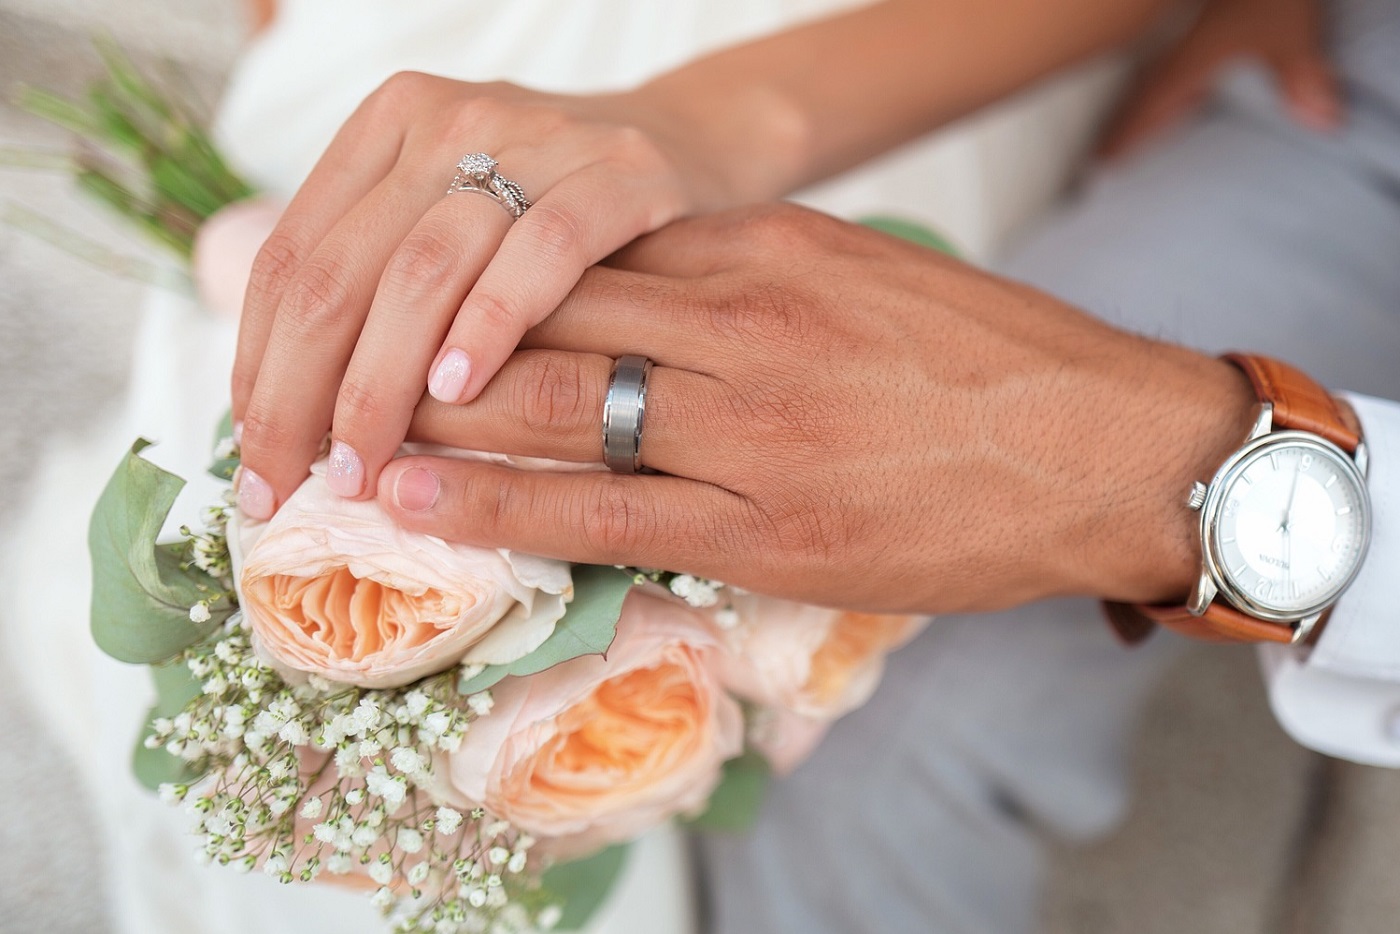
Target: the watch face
(1287, 523)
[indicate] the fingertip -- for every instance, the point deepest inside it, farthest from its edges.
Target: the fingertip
(451, 373)
(255, 495)
(345, 471)
(1316, 111)
(1313, 97)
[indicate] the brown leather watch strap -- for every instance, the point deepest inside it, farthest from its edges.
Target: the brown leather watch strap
(1221, 623)
(1299, 404)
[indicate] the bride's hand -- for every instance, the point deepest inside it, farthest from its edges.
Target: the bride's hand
(375, 285)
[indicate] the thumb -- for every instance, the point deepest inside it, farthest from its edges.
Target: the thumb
(1165, 97)
(1311, 91)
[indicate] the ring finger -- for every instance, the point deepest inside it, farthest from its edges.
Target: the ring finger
(547, 403)
(418, 297)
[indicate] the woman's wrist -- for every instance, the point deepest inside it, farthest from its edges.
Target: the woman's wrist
(734, 142)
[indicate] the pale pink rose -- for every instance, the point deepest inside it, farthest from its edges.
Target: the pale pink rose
(595, 750)
(815, 662)
(334, 587)
(224, 248)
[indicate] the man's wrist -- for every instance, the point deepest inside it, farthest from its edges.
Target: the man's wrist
(1183, 414)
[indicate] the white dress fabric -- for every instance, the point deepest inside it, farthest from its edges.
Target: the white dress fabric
(292, 90)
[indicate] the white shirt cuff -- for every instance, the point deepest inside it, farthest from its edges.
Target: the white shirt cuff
(1342, 696)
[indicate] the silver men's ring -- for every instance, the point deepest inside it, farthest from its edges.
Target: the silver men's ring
(477, 172)
(623, 412)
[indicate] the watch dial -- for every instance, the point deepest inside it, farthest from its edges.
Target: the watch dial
(1291, 526)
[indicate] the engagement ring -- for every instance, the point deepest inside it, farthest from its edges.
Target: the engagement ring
(477, 172)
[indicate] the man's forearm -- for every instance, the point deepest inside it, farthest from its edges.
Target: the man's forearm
(792, 108)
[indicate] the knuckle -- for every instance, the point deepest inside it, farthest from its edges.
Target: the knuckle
(761, 315)
(495, 311)
(404, 86)
(806, 537)
(778, 227)
(474, 112)
(318, 295)
(264, 431)
(635, 147)
(556, 234)
(613, 520)
(277, 261)
(425, 261)
(498, 503)
(478, 505)
(552, 395)
(399, 93)
(358, 403)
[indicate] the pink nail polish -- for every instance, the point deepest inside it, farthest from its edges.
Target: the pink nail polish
(449, 380)
(345, 472)
(255, 497)
(416, 489)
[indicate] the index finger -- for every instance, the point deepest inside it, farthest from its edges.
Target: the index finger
(358, 158)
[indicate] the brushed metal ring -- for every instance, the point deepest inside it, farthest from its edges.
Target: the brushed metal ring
(624, 413)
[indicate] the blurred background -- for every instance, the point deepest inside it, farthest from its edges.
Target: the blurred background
(1233, 828)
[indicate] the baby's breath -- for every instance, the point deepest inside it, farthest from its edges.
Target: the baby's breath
(208, 548)
(699, 592)
(328, 778)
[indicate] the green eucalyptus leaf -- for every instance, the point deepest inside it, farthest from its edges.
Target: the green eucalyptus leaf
(175, 687)
(587, 628)
(142, 591)
(580, 886)
(908, 230)
(736, 801)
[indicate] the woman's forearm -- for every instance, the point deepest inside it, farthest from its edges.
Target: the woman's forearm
(792, 108)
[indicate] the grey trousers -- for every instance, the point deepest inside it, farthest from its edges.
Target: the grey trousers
(1239, 231)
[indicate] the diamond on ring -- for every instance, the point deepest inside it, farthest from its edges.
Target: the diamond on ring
(477, 163)
(476, 172)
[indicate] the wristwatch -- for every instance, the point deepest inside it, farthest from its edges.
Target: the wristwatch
(1285, 521)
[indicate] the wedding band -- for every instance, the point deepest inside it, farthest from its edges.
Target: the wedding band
(623, 412)
(476, 172)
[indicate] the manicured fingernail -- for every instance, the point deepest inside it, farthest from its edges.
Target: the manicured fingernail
(450, 378)
(254, 495)
(237, 432)
(345, 472)
(416, 489)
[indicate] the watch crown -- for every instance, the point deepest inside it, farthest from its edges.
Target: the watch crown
(1197, 497)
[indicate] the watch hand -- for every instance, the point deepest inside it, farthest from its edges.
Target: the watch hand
(1287, 556)
(1292, 492)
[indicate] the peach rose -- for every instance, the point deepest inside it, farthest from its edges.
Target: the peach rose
(785, 739)
(336, 588)
(224, 248)
(815, 662)
(599, 750)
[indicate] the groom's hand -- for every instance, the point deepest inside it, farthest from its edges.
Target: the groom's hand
(840, 417)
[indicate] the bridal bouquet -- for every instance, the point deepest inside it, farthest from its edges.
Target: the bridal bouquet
(472, 734)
